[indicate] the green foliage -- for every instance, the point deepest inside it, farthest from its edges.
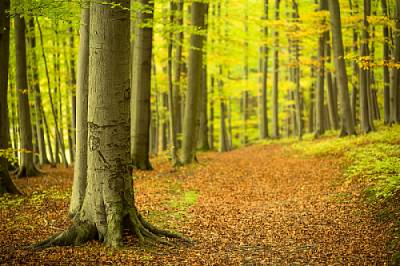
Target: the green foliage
(373, 158)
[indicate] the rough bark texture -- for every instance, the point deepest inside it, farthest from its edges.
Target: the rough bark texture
(194, 85)
(6, 184)
(275, 80)
(80, 166)
(141, 86)
(347, 127)
(108, 205)
(27, 167)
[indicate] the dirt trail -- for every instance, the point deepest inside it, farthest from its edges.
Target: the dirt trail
(261, 205)
(257, 205)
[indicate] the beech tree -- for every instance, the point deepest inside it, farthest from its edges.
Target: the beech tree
(6, 184)
(108, 203)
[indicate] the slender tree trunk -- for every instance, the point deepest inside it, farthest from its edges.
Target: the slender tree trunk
(178, 66)
(80, 166)
(141, 87)
(394, 88)
(52, 105)
(347, 127)
(72, 84)
(194, 84)
(365, 106)
(245, 99)
(38, 100)
(211, 119)
(386, 74)
(6, 184)
(263, 117)
(275, 80)
(27, 167)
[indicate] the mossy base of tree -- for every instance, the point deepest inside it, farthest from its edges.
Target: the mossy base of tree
(82, 232)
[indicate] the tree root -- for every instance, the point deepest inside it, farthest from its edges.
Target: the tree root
(75, 235)
(24, 171)
(81, 232)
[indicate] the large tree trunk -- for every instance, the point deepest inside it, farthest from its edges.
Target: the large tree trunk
(297, 74)
(80, 166)
(108, 204)
(245, 99)
(194, 84)
(27, 167)
(72, 84)
(347, 127)
(211, 119)
(6, 184)
(275, 80)
(141, 87)
(386, 74)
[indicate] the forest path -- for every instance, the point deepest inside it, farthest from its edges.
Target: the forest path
(262, 205)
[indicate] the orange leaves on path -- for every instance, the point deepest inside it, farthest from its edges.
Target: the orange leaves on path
(258, 205)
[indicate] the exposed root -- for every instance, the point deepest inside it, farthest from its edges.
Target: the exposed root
(25, 171)
(75, 235)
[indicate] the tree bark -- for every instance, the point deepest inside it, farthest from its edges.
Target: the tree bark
(395, 81)
(275, 80)
(6, 184)
(194, 84)
(27, 167)
(141, 86)
(347, 127)
(80, 166)
(386, 75)
(263, 117)
(108, 205)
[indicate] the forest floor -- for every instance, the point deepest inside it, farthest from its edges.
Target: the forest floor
(263, 204)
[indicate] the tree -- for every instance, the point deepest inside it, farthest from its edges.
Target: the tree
(263, 118)
(386, 74)
(194, 83)
(80, 166)
(395, 81)
(27, 167)
(108, 205)
(141, 86)
(365, 103)
(347, 127)
(275, 80)
(6, 184)
(319, 126)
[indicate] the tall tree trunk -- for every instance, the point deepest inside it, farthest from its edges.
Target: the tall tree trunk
(27, 167)
(72, 84)
(52, 105)
(263, 117)
(311, 111)
(211, 119)
(178, 66)
(245, 99)
(347, 127)
(365, 106)
(38, 100)
(194, 84)
(108, 206)
(297, 73)
(80, 166)
(6, 184)
(386, 74)
(395, 81)
(275, 80)
(141, 87)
